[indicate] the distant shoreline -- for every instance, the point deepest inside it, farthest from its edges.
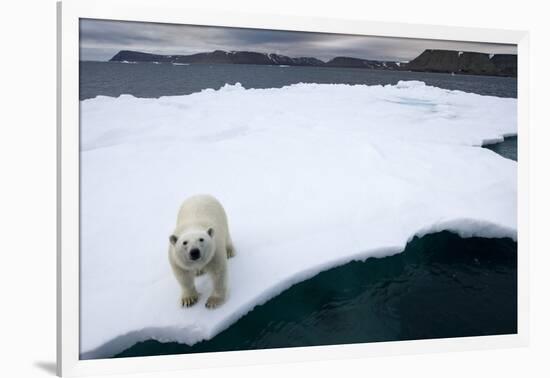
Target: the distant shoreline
(286, 66)
(439, 61)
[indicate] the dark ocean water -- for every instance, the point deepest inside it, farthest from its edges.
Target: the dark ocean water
(508, 148)
(440, 286)
(155, 80)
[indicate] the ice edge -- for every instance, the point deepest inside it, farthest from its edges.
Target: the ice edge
(465, 228)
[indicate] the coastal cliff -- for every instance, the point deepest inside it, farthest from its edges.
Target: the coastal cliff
(473, 63)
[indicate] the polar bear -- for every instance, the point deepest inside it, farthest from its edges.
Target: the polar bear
(201, 243)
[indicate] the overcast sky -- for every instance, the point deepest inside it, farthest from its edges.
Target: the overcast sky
(100, 40)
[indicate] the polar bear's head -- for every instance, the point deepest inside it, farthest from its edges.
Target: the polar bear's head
(194, 248)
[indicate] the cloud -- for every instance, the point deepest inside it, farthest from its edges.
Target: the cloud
(101, 39)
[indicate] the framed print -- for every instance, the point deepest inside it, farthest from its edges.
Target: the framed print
(270, 188)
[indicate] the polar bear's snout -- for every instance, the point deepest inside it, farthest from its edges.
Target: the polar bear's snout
(193, 248)
(195, 254)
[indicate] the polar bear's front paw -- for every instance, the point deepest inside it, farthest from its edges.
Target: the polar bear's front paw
(188, 301)
(199, 272)
(214, 302)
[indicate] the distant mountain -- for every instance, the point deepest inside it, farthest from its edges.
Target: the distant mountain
(473, 63)
(447, 61)
(217, 57)
(343, 61)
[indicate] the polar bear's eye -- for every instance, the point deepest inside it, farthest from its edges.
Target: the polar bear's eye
(201, 240)
(185, 242)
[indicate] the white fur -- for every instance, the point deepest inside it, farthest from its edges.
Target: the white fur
(201, 225)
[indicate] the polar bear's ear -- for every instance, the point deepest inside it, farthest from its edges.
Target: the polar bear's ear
(210, 232)
(173, 239)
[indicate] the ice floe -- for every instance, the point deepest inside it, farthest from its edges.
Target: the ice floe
(311, 175)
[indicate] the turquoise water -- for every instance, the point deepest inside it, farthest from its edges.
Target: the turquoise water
(440, 286)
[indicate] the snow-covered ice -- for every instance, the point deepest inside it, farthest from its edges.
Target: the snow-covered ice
(311, 175)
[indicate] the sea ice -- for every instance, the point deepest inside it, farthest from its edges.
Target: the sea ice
(311, 175)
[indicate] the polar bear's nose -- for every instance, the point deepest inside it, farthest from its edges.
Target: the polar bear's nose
(195, 253)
